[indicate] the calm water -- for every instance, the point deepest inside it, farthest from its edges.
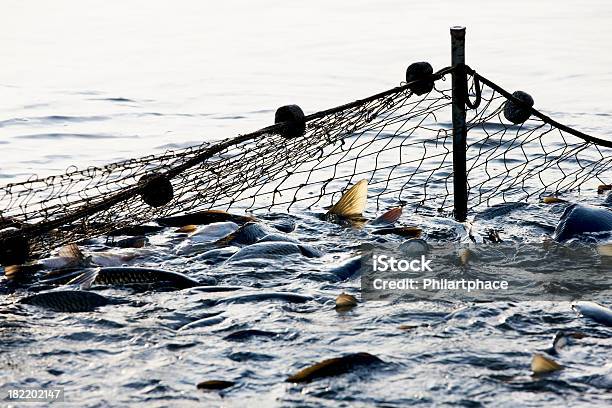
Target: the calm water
(88, 83)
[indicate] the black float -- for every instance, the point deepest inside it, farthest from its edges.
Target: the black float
(157, 190)
(294, 117)
(416, 71)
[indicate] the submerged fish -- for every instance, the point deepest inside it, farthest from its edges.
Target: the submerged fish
(129, 275)
(333, 367)
(257, 297)
(67, 300)
(498, 210)
(414, 247)
(249, 333)
(285, 225)
(215, 385)
(203, 218)
(407, 232)
(579, 219)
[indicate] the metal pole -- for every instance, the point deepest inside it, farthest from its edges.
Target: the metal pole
(460, 186)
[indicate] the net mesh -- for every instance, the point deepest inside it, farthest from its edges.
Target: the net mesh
(399, 141)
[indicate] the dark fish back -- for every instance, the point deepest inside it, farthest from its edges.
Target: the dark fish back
(67, 300)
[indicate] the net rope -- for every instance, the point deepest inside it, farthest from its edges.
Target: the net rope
(399, 141)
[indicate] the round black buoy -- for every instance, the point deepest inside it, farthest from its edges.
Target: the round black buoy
(157, 190)
(14, 250)
(516, 113)
(294, 117)
(416, 71)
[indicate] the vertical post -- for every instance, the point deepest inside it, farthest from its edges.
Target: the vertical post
(459, 83)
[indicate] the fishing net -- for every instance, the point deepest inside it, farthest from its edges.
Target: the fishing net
(399, 140)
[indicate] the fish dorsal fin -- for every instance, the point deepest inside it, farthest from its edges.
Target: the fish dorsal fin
(72, 251)
(541, 364)
(86, 279)
(353, 202)
(388, 218)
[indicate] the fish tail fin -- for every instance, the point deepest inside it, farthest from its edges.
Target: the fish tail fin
(353, 202)
(73, 252)
(86, 279)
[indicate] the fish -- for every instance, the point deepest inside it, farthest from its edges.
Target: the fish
(498, 210)
(388, 218)
(579, 219)
(333, 367)
(563, 339)
(207, 321)
(10, 222)
(213, 232)
(348, 269)
(247, 234)
(595, 312)
(414, 247)
(216, 255)
(272, 250)
(69, 256)
(249, 333)
(187, 229)
(603, 187)
(22, 273)
(285, 224)
(67, 300)
(204, 238)
(138, 241)
(352, 203)
(202, 218)
(131, 275)
(407, 232)
(345, 302)
(541, 364)
(278, 238)
(262, 296)
(215, 385)
(553, 200)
